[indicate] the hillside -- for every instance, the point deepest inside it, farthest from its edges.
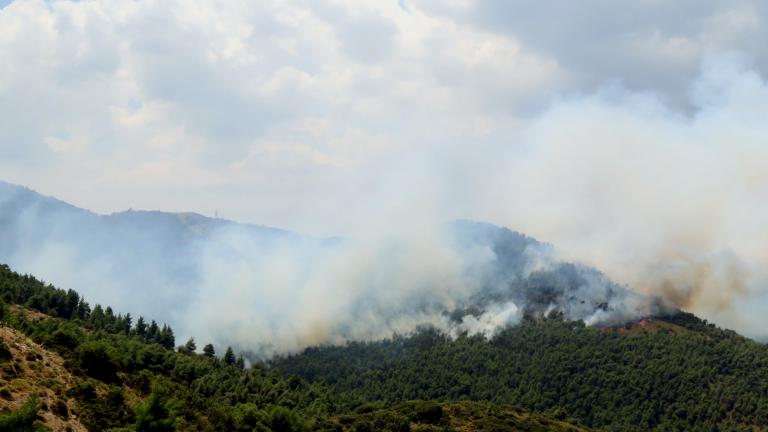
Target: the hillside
(462, 416)
(29, 371)
(94, 369)
(522, 329)
(187, 268)
(679, 374)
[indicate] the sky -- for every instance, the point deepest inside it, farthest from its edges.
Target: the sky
(629, 134)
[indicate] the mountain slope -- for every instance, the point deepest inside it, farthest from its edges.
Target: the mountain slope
(30, 370)
(99, 370)
(520, 328)
(283, 291)
(141, 260)
(462, 416)
(699, 378)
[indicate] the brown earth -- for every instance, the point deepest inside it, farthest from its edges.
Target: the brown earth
(33, 370)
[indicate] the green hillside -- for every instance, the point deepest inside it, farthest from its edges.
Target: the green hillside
(81, 366)
(678, 374)
(668, 373)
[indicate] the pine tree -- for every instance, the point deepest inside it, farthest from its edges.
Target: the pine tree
(73, 300)
(153, 332)
(166, 338)
(141, 327)
(83, 310)
(125, 325)
(229, 356)
(97, 317)
(208, 351)
(188, 348)
(109, 319)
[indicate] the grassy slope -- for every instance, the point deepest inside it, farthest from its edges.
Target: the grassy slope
(47, 358)
(34, 370)
(678, 373)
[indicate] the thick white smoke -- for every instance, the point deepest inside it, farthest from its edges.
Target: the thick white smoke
(267, 291)
(671, 203)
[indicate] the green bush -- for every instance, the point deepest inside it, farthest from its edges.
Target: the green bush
(64, 338)
(22, 420)
(156, 413)
(98, 360)
(281, 419)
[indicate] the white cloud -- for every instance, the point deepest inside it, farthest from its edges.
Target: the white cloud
(210, 90)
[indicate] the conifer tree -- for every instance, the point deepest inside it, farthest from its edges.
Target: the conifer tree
(125, 325)
(83, 310)
(229, 356)
(141, 327)
(97, 317)
(153, 331)
(109, 319)
(73, 300)
(188, 348)
(208, 351)
(166, 337)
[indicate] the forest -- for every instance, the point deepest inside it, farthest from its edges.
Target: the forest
(549, 373)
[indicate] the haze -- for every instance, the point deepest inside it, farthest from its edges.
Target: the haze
(632, 137)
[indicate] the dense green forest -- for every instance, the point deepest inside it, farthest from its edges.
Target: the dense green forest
(179, 390)
(133, 379)
(683, 374)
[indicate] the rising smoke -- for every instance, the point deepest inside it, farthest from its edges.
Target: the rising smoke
(269, 291)
(670, 203)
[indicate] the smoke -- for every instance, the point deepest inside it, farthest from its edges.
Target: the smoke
(464, 277)
(295, 295)
(671, 203)
(268, 291)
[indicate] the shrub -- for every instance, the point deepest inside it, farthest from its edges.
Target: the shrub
(98, 360)
(22, 420)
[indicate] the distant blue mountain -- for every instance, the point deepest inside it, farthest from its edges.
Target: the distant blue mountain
(140, 260)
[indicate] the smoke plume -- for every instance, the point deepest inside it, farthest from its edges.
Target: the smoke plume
(670, 203)
(269, 291)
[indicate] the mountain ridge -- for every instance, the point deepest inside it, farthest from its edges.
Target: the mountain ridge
(174, 264)
(520, 339)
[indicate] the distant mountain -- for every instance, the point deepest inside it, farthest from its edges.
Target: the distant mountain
(128, 257)
(175, 265)
(558, 339)
(22, 208)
